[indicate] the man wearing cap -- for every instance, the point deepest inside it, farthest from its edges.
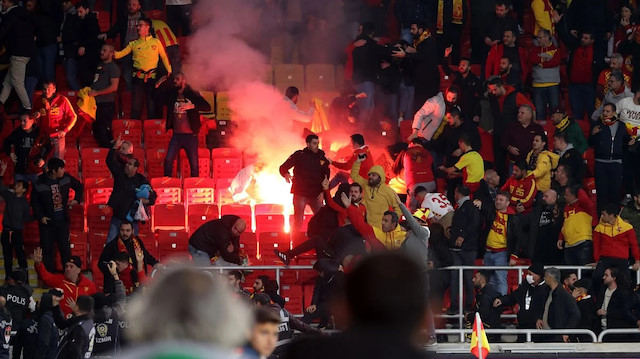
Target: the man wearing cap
(72, 283)
(566, 124)
(18, 294)
(530, 296)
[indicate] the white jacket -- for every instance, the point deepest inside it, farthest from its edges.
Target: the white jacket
(430, 116)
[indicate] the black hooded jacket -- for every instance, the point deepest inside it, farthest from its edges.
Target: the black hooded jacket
(215, 236)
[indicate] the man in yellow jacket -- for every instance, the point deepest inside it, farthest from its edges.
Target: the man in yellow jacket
(540, 163)
(147, 51)
(377, 197)
(387, 235)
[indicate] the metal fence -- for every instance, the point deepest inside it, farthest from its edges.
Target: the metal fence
(460, 315)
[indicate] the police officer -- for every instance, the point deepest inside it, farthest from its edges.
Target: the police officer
(107, 311)
(17, 292)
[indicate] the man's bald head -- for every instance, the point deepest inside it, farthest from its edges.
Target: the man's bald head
(550, 197)
(492, 177)
(238, 227)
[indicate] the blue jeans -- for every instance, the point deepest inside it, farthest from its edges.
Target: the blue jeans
(581, 99)
(579, 255)
(405, 100)
(299, 204)
(47, 59)
(365, 104)
(199, 258)
(71, 69)
(543, 96)
(189, 142)
(114, 228)
(499, 279)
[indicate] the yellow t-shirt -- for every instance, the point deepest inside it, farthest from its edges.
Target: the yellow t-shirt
(145, 52)
(472, 166)
(497, 238)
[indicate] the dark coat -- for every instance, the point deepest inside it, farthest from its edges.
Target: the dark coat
(70, 33)
(88, 37)
(108, 254)
(484, 305)
(527, 318)
(366, 60)
(119, 28)
(530, 223)
(76, 342)
(17, 30)
(607, 148)
(619, 313)
(425, 68)
(168, 95)
(587, 319)
(42, 199)
(124, 188)
(215, 236)
(563, 310)
(309, 169)
(573, 159)
(466, 224)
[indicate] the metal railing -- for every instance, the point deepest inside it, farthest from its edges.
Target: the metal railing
(460, 315)
(617, 331)
(527, 332)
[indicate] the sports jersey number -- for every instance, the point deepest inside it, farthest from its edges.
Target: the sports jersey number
(441, 200)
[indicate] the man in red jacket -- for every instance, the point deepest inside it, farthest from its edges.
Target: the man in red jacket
(57, 117)
(72, 283)
(359, 149)
(522, 188)
(613, 240)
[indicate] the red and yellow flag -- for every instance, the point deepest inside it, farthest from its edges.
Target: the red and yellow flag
(479, 343)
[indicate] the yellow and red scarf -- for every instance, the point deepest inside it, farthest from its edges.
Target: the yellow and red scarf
(457, 15)
(425, 35)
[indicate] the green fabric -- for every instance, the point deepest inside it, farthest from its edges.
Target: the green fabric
(576, 137)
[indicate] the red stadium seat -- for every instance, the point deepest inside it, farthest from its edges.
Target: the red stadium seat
(78, 237)
(269, 218)
(199, 214)
(128, 130)
(80, 249)
(268, 241)
(97, 241)
(155, 163)
(249, 244)
(204, 164)
(94, 163)
(172, 243)
(155, 134)
(168, 189)
(72, 161)
(138, 153)
(168, 217)
(486, 150)
(98, 217)
(150, 243)
(76, 214)
(241, 210)
(199, 190)
(98, 277)
(227, 162)
(223, 196)
(98, 190)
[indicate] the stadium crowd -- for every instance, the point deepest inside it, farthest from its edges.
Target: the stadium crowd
(516, 143)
